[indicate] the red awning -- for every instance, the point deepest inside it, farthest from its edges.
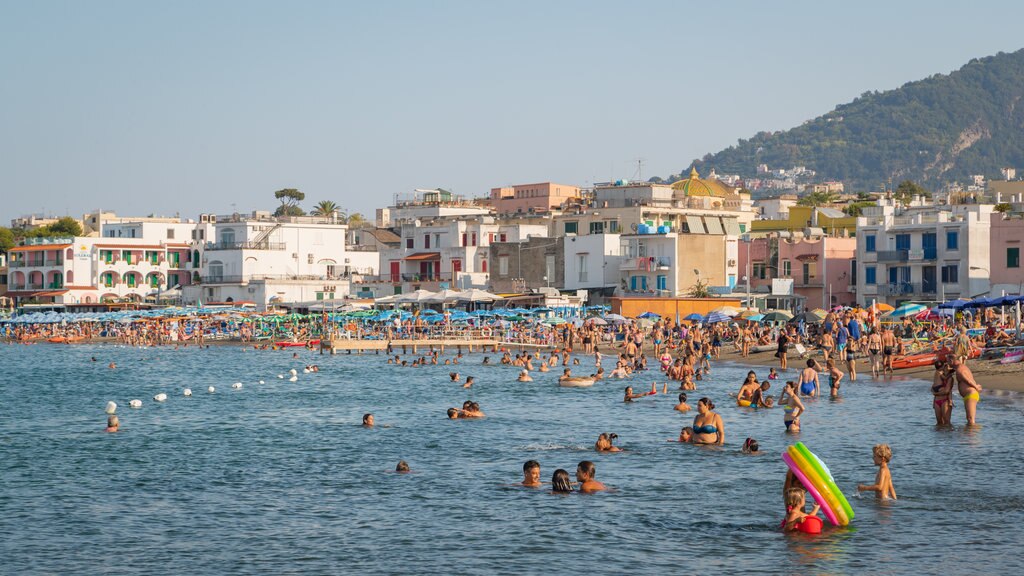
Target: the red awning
(33, 293)
(424, 256)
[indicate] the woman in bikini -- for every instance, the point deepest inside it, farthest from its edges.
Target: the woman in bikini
(707, 425)
(942, 394)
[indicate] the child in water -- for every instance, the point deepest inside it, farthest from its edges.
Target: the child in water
(882, 487)
(795, 515)
(772, 374)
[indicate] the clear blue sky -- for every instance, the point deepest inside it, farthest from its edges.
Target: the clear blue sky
(168, 107)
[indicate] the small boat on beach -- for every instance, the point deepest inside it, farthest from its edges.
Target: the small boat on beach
(926, 358)
(65, 339)
(1012, 357)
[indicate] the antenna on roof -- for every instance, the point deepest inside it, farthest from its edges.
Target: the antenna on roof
(639, 170)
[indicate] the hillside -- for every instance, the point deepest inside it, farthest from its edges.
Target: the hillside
(940, 129)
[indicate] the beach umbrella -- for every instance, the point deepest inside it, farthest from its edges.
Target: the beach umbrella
(645, 322)
(714, 317)
(906, 310)
(650, 316)
(476, 295)
(615, 318)
(553, 321)
(748, 313)
(955, 304)
(597, 321)
(777, 316)
(754, 318)
(729, 311)
(883, 307)
(694, 317)
(414, 297)
(445, 295)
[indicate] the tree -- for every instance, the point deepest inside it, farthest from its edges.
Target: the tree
(325, 208)
(290, 198)
(818, 199)
(1003, 208)
(6, 239)
(356, 219)
(907, 190)
(66, 226)
(856, 208)
(699, 290)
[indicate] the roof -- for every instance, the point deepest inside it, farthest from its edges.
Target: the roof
(385, 236)
(424, 256)
(696, 186)
(832, 212)
(39, 247)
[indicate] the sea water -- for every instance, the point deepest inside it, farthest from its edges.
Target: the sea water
(281, 478)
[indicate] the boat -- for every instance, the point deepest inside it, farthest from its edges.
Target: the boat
(926, 358)
(576, 382)
(764, 347)
(65, 339)
(1012, 357)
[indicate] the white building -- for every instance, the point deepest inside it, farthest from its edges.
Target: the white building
(592, 262)
(428, 205)
(922, 253)
(267, 260)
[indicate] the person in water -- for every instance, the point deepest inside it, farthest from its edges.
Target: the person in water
(453, 413)
(685, 435)
(524, 376)
(402, 467)
(750, 446)
(585, 472)
(454, 376)
(882, 487)
(113, 423)
(758, 399)
(942, 393)
(793, 407)
(795, 515)
(968, 387)
(560, 482)
(682, 406)
(368, 420)
(707, 425)
(469, 382)
(746, 391)
(630, 396)
(531, 474)
(604, 442)
(808, 384)
(835, 376)
(772, 374)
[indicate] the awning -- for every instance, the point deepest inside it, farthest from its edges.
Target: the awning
(38, 247)
(732, 227)
(33, 294)
(696, 226)
(424, 256)
(714, 225)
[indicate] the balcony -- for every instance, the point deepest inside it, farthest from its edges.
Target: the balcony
(647, 263)
(213, 246)
(57, 262)
(17, 264)
(34, 286)
(908, 289)
(893, 255)
(224, 279)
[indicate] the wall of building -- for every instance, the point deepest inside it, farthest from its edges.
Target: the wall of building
(601, 258)
(1006, 232)
(540, 197)
(669, 307)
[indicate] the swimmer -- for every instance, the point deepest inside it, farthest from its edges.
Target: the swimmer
(808, 384)
(113, 423)
(454, 376)
(772, 374)
(750, 446)
(367, 420)
(524, 376)
(585, 472)
(882, 487)
(543, 367)
(93, 358)
(453, 413)
(835, 376)
(758, 398)
(560, 482)
(795, 515)
(685, 435)
(682, 406)
(402, 467)
(112, 366)
(531, 474)
(604, 442)
(629, 396)
(469, 382)
(793, 407)
(487, 361)
(707, 425)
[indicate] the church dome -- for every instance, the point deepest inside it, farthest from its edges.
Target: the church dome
(696, 186)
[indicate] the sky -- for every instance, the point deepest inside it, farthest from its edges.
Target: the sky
(192, 107)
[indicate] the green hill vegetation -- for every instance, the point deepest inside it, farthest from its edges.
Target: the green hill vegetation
(933, 131)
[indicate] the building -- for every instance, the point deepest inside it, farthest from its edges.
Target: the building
(428, 205)
(266, 260)
(1005, 245)
(820, 269)
(536, 261)
(669, 264)
(87, 270)
(593, 263)
(776, 207)
(926, 253)
(798, 218)
(533, 198)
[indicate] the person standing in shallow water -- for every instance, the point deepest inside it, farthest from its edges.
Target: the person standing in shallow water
(968, 387)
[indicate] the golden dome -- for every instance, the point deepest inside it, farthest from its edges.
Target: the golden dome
(696, 186)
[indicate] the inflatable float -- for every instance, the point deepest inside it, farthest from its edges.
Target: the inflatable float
(289, 344)
(1012, 357)
(926, 359)
(816, 479)
(575, 382)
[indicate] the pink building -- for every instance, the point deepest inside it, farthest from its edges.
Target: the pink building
(822, 268)
(532, 198)
(1006, 240)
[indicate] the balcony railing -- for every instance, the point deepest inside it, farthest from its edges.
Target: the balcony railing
(893, 255)
(647, 263)
(908, 289)
(57, 262)
(224, 279)
(34, 285)
(17, 264)
(245, 246)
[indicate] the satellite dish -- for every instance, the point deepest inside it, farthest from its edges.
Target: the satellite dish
(633, 227)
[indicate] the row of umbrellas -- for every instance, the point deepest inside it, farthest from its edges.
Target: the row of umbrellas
(442, 297)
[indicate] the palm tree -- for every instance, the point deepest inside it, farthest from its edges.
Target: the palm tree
(325, 208)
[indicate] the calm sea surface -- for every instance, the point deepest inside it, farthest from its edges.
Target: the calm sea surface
(280, 478)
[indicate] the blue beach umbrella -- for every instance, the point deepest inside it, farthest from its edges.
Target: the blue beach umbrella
(714, 317)
(694, 317)
(906, 310)
(955, 304)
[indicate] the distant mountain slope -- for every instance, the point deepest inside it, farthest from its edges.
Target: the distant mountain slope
(936, 130)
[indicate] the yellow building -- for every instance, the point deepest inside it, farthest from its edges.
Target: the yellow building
(832, 221)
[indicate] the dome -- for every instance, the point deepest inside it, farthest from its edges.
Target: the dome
(696, 186)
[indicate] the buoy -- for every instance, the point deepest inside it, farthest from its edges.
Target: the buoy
(211, 389)
(305, 370)
(293, 372)
(293, 378)
(280, 375)
(135, 403)
(111, 407)
(261, 382)
(187, 392)
(160, 397)
(237, 385)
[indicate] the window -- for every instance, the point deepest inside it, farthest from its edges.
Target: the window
(409, 243)
(870, 275)
(503, 238)
(613, 227)
(581, 265)
(952, 240)
(502, 265)
(869, 243)
(903, 241)
(1013, 257)
(473, 238)
(549, 267)
(951, 274)
(572, 227)
(787, 268)
(426, 241)
(759, 270)
(853, 272)
(597, 227)
(170, 233)
(662, 282)
(807, 272)
(463, 238)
